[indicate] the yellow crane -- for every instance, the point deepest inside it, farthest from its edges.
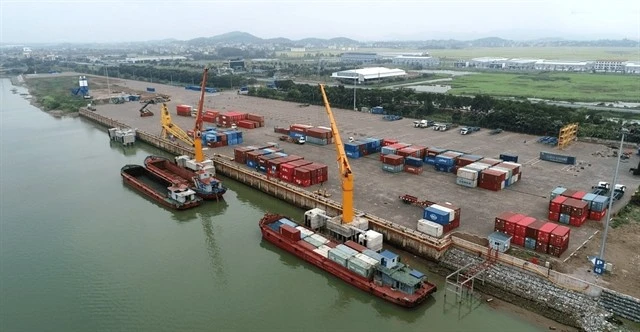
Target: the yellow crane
(346, 175)
(197, 129)
(168, 127)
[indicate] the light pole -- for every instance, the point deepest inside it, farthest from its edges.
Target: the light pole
(354, 93)
(612, 190)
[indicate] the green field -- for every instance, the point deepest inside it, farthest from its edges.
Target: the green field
(550, 53)
(54, 93)
(555, 86)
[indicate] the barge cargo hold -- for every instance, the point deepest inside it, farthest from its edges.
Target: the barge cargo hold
(173, 196)
(202, 181)
(379, 274)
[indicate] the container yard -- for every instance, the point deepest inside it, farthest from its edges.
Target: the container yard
(377, 190)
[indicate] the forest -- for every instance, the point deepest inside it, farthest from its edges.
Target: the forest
(484, 111)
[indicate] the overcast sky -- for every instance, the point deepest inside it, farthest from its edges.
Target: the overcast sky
(116, 21)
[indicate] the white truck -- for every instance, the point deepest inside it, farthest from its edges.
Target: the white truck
(468, 130)
(422, 123)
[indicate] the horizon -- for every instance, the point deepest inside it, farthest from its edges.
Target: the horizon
(60, 22)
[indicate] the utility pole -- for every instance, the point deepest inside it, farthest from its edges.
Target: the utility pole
(106, 69)
(613, 187)
(354, 93)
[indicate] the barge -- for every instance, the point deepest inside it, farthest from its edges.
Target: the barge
(202, 181)
(380, 274)
(174, 196)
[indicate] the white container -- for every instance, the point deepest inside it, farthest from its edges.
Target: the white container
(478, 165)
(369, 260)
(446, 209)
(466, 182)
(467, 173)
(506, 170)
(322, 251)
(320, 238)
(304, 232)
(430, 228)
(191, 164)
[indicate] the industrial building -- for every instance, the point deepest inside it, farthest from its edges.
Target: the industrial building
(609, 66)
(562, 65)
(237, 64)
(360, 57)
(416, 60)
(155, 58)
(522, 64)
(366, 75)
(488, 63)
(632, 68)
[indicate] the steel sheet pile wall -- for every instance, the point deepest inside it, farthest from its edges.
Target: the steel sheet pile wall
(444, 214)
(573, 207)
(275, 163)
(362, 147)
(541, 236)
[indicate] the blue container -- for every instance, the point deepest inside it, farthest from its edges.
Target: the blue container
(558, 158)
(377, 110)
(268, 151)
(281, 154)
(530, 243)
(509, 157)
(445, 161)
(151, 89)
(252, 164)
(240, 140)
(295, 134)
(589, 198)
(413, 161)
(430, 160)
(275, 226)
(557, 191)
(436, 215)
(444, 168)
(564, 219)
(286, 221)
(353, 154)
(600, 203)
(351, 147)
(387, 150)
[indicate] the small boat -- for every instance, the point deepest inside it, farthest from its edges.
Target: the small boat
(381, 274)
(171, 195)
(201, 181)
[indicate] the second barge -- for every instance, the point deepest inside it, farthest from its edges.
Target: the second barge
(171, 195)
(201, 181)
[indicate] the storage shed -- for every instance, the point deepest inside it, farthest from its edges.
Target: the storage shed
(499, 241)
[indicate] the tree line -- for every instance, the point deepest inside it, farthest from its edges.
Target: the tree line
(482, 111)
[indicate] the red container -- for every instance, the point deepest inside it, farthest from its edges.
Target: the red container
(514, 167)
(302, 176)
(300, 128)
(490, 161)
(542, 247)
(560, 236)
(273, 166)
(577, 221)
(490, 184)
(306, 245)
(597, 216)
(579, 195)
(518, 240)
(493, 175)
(255, 117)
(532, 229)
(554, 216)
(246, 124)
(240, 154)
(510, 224)
(464, 161)
(422, 151)
(521, 226)
(544, 232)
(389, 141)
(408, 152)
(290, 233)
(355, 246)
(569, 193)
(501, 219)
(392, 159)
(287, 169)
(413, 169)
(556, 251)
(556, 203)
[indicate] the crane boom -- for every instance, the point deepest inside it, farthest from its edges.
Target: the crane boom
(197, 129)
(168, 127)
(346, 175)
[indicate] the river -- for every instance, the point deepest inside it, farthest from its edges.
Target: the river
(79, 251)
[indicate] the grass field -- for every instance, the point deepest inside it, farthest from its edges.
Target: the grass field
(558, 86)
(54, 93)
(551, 53)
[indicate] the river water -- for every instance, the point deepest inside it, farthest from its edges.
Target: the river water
(79, 251)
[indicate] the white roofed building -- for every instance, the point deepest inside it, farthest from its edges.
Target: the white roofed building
(562, 65)
(632, 68)
(489, 62)
(416, 60)
(365, 75)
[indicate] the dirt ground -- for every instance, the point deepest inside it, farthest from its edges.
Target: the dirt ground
(377, 192)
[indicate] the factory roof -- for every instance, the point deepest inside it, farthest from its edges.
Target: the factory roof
(489, 59)
(415, 57)
(524, 61)
(562, 63)
(369, 73)
(631, 64)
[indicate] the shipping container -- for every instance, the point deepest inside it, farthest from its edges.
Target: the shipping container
(554, 216)
(355, 246)
(556, 203)
(290, 233)
(509, 157)
(556, 251)
(530, 243)
(359, 267)
(413, 161)
(597, 215)
(490, 161)
(240, 154)
(466, 182)
(560, 236)
(579, 195)
(522, 224)
(285, 221)
(544, 232)
(338, 256)
(347, 250)
(564, 218)
(557, 192)
(532, 229)
(558, 158)
(313, 241)
(600, 203)
(412, 169)
(542, 247)
(430, 228)
(306, 245)
(304, 232)
(438, 214)
(518, 240)
(467, 159)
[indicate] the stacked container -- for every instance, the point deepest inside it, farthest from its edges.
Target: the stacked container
(210, 116)
(392, 163)
(389, 141)
(290, 233)
(514, 172)
(273, 165)
(251, 121)
(466, 159)
(363, 147)
(413, 165)
(541, 236)
(492, 179)
(430, 228)
(446, 161)
(531, 239)
(520, 232)
(287, 169)
(240, 154)
(559, 240)
(443, 214)
(252, 157)
(431, 153)
(310, 174)
(229, 118)
(263, 159)
(571, 207)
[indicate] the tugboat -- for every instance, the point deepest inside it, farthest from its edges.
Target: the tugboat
(202, 181)
(175, 196)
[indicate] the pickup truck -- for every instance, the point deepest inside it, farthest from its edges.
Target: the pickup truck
(468, 130)
(443, 126)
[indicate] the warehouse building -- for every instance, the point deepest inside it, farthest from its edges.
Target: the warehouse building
(564, 65)
(154, 58)
(609, 66)
(415, 60)
(632, 68)
(367, 75)
(488, 63)
(359, 57)
(522, 64)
